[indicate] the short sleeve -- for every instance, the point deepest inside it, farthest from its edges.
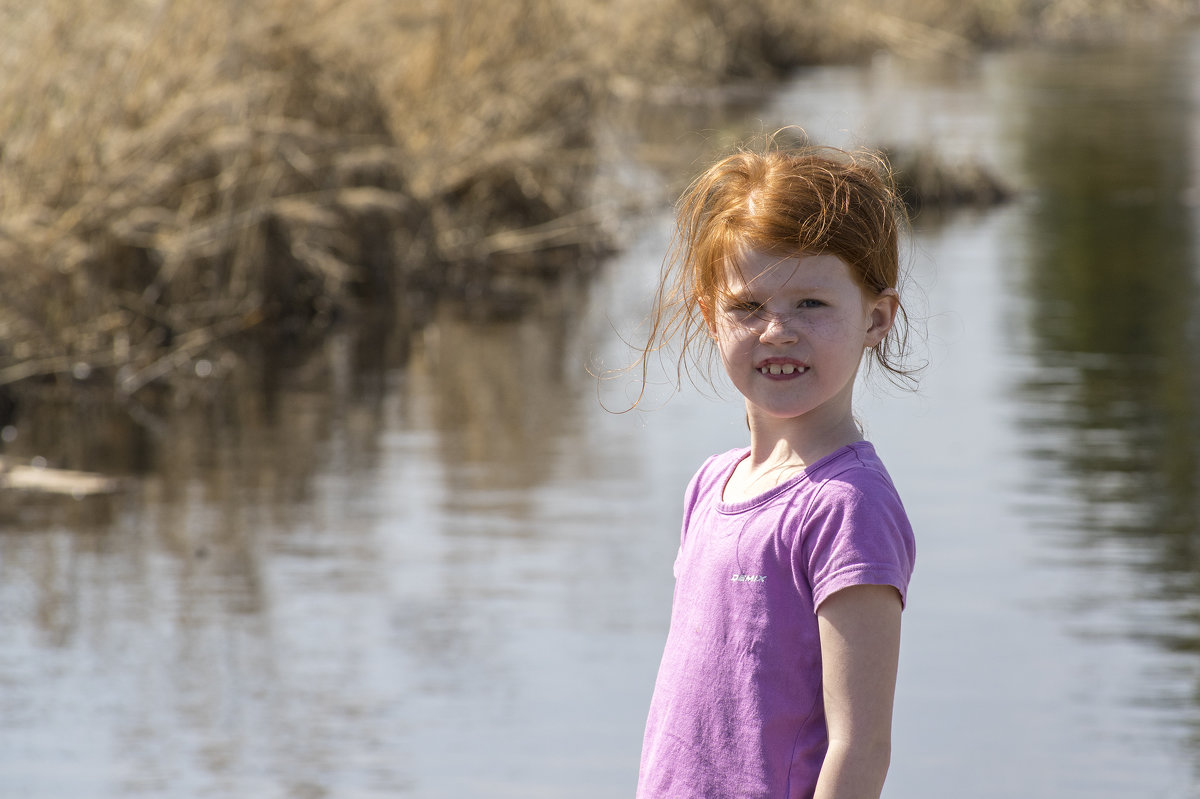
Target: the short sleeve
(857, 533)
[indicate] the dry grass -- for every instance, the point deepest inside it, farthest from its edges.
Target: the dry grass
(173, 174)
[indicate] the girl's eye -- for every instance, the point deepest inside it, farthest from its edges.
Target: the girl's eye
(745, 308)
(810, 304)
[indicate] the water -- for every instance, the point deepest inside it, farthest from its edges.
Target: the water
(436, 567)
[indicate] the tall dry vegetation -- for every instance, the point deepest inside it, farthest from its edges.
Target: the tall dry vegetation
(176, 172)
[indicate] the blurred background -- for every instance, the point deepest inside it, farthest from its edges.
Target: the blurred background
(309, 488)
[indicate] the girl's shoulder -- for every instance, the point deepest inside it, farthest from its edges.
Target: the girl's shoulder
(724, 460)
(856, 485)
(716, 469)
(852, 463)
(851, 481)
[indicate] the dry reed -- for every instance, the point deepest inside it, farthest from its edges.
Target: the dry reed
(176, 172)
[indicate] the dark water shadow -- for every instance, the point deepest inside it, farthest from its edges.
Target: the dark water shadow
(1110, 269)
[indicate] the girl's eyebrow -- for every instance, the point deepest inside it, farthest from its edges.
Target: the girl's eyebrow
(740, 294)
(808, 288)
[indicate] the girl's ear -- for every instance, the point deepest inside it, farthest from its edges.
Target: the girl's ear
(882, 315)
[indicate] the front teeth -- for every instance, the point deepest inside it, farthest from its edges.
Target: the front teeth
(779, 369)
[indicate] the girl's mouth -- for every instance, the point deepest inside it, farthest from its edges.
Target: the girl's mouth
(781, 369)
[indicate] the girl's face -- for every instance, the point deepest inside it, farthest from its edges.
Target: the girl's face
(792, 331)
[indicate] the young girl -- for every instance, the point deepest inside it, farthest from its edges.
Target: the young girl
(779, 670)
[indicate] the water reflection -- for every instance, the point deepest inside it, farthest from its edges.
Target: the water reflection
(497, 388)
(1110, 268)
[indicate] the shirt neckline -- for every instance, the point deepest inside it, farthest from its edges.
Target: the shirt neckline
(807, 473)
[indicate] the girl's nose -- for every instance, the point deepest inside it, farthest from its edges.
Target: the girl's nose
(778, 329)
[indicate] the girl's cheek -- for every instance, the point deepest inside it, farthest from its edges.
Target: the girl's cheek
(829, 329)
(823, 330)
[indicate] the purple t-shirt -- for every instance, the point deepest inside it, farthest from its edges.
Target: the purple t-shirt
(737, 708)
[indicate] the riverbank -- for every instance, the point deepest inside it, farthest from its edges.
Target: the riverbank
(177, 176)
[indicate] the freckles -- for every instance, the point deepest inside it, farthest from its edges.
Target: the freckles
(829, 329)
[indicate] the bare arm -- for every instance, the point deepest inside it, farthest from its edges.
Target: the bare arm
(860, 650)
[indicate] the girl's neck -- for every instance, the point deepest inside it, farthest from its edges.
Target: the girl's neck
(778, 452)
(800, 441)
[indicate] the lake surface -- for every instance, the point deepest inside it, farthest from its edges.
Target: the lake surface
(430, 564)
